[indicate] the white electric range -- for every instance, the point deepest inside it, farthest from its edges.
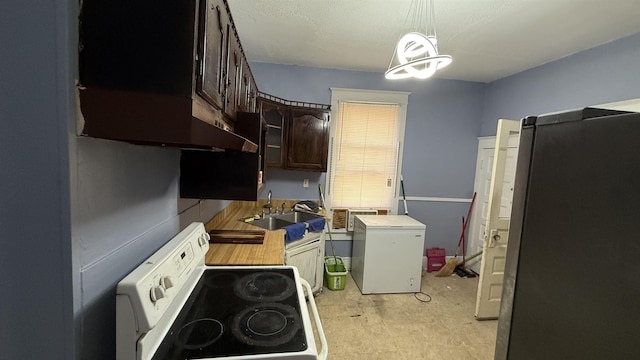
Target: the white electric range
(173, 306)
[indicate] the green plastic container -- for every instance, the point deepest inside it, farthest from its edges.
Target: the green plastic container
(335, 275)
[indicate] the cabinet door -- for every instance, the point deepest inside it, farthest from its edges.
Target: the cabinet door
(222, 175)
(252, 126)
(253, 96)
(234, 57)
(245, 87)
(308, 139)
(211, 46)
(309, 261)
(274, 115)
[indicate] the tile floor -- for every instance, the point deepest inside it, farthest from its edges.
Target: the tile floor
(399, 326)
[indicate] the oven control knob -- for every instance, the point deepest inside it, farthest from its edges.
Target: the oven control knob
(157, 293)
(204, 239)
(166, 282)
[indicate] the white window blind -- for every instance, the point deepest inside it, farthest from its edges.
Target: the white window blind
(365, 155)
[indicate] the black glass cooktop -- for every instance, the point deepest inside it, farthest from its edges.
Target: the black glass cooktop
(237, 312)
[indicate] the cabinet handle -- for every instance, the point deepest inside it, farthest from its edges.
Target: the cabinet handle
(219, 18)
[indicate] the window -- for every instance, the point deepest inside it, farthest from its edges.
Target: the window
(366, 154)
(365, 149)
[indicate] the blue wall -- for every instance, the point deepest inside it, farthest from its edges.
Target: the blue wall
(604, 74)
(124, 208)
(36, 307)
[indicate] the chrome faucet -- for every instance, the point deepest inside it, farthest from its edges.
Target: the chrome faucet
(268, 204)
(282, 208)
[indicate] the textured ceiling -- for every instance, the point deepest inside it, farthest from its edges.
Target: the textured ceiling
(488, 39)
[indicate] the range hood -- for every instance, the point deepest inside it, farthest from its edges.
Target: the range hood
(154, 119)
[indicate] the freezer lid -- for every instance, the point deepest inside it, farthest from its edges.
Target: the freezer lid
(390, 221)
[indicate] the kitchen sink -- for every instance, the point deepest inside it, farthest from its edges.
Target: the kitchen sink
(275, 222)
(270, 223)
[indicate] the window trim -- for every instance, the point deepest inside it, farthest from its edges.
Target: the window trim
(369, 96)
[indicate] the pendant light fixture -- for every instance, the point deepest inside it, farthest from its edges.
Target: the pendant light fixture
(416, 54)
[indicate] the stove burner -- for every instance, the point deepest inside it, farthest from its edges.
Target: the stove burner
(264, 286)
(221, 280)
(266, 324)
(200, 333)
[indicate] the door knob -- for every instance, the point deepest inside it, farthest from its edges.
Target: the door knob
(493, 238)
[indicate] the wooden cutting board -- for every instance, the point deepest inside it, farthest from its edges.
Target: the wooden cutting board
(236, 236)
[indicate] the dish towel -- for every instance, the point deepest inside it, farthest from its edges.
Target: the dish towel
(316, 224)
(294, 232)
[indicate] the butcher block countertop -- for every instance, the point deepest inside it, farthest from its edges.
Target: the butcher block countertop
(270, 252)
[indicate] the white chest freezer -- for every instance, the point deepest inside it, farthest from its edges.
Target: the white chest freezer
(387, 253)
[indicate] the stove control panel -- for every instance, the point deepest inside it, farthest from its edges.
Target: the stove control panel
(154, 286)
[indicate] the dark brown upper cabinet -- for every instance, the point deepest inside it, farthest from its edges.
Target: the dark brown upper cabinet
(248, 90)
(163, 73)
(212, 42)
(275, 115)
(307, 139)
(298, 133)
(229, 175)
(233, 74)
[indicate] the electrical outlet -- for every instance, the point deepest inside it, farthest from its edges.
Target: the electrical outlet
(305, 183)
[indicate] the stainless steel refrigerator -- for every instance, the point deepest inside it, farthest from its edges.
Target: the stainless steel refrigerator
(572, 276)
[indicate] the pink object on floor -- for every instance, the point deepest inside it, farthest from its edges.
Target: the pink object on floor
(435, 259)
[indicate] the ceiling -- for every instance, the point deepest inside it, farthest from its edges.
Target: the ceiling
(488, 39)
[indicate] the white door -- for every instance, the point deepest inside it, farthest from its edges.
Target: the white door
(478, 220)
(482, 184)
(496, 232)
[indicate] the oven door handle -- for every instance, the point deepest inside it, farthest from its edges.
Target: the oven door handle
(322, 355)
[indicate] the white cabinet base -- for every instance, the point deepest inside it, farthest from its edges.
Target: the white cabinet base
(309, 259)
